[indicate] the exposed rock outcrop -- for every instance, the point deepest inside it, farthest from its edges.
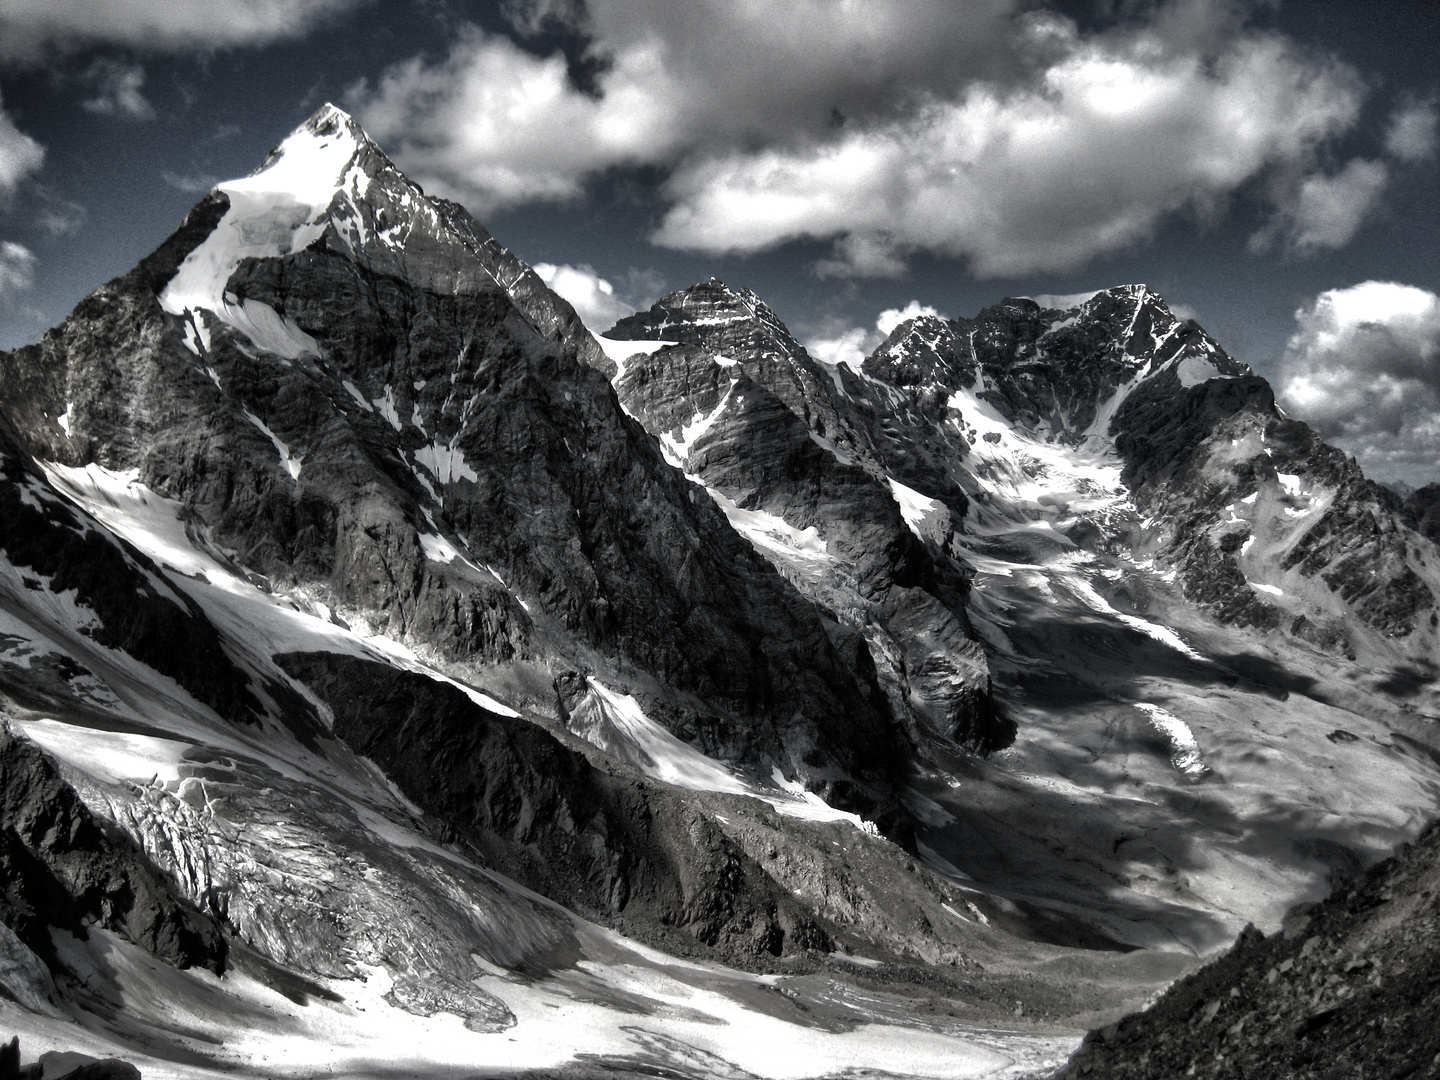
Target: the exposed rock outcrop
(63, 867)
(1349, 987)
(609, 846)
(787, 449)
(376, 404)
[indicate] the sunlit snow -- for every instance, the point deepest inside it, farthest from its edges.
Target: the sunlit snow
(1184, 750)
(619, 726)
(621, 351)
(292, 462)
(914, 507)
(109, 755)
(273, 212)
(447, 463)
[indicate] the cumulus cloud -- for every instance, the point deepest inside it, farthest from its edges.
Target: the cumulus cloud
(981, 130)
(1412, 132)
(890, 318)
(117, 90)
(1322, 210)
(1326, 211)
(17, 268)
(594, 299)
(1040, 178)
(29, 29)
(853, 345)
(848, 347)
(20, 155)
(56, 214)
(1363, 367)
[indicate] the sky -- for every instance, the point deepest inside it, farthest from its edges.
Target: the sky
(1268, 167)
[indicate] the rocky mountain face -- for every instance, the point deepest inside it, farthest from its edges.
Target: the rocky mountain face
(790, 456)
(63, 868)
(1348, 987)
(1240, 499)
(1112, 517)
(325, 368)
(374, 635)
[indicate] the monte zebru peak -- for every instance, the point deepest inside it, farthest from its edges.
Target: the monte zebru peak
(430, 652)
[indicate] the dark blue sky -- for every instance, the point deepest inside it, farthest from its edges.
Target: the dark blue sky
(1241, 159)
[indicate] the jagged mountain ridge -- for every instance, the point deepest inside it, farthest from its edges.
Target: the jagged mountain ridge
(751, 416)
(1089, 478)
(327, 880)
(315, 373)
(210, 454)
(1151, 388)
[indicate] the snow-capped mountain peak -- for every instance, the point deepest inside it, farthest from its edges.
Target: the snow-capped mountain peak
(329, 185)
(315, 180)
(312, 161)
(334, 523)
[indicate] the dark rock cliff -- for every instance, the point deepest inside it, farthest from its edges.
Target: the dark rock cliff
(747, 412)
(1192, 454)
(62, 867)
(612, 847)
(1199, 437)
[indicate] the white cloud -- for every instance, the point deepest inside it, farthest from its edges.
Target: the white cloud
(28, 28)
(593, 298)
(850, 347)
(496, 126)
(20, 155)
(117, 90)
(1043, 178)
(858, 254)
(1412, 132)
(1363, 367)
(17, 268)
(190, 183)
(57, 215)
(890, 318)
(974, 130)
(853, 345)
(1063, 301)
(1327, 211)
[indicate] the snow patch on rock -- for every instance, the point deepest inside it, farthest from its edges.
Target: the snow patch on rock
(616, 724)
(292, 462)
(1184, 749)
(620, 351)
(773, 536)
(446, 463)
(915, 508)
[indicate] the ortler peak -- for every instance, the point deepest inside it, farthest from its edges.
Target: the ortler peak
(328, 187)
(356, 398)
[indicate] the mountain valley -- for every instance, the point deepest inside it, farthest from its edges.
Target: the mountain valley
(408, 680)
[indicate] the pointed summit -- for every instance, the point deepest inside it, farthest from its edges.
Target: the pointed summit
(303, 158)
(328, 187)
(732, 321)
(308, 185)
